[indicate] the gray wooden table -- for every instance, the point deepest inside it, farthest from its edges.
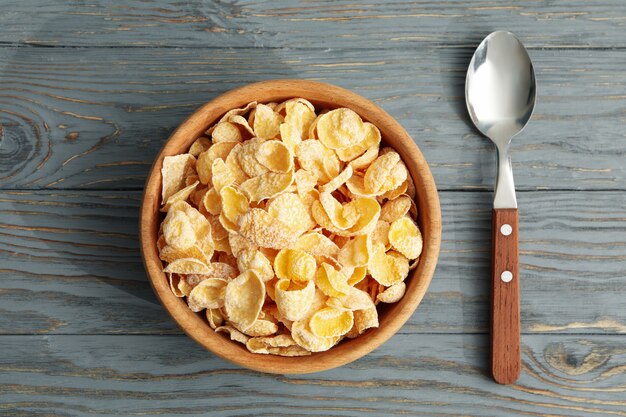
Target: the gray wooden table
(89, 90)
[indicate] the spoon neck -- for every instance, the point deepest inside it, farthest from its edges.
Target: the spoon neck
(502, 149)
(504, 196)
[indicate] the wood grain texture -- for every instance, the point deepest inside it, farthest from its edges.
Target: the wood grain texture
(362, 24)
(93, 113)
(95, 118)
(70, 263)
(434, 375)
(505, 296)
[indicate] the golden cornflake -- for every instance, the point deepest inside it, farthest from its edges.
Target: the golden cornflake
(232, 163)
(293, 298)
(200, 145)
(181, 195)
(394, 193)
(243, 299)
(170, 253)
(385, 173)
(364, 161)
(261, 328)
(215, 317)
(305, 181)
(317, 244)
(358, 275)
(267, 185)
(356, 299)
(266, 122)
(332, 282)
(234, 203)
(212, 201)
(331, 322)
(222, 177)
(187, 266)
(392, 294)
(303, 336)
(370, 140)
(290, 210)
(173, 173)
(235, 112)
(381, 233)
(243, 125)
(247, 157)
(338, 181)
(299, 113)
(226, 132)
(387, 268)
(262, 229)
(205, 161)
(355, 252)
(405, 237)
(275, 156)
(174, 280)
(207, 294)
(310, 154)
(365, 319)
(195, 199)
(178, 231)
(340, 128)
(281, 345)
(294, 265)
(254, 259)
(234, 334)
(392, 210)
(291, 136)
(238, 244)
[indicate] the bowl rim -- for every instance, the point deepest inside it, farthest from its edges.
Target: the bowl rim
(272, 90)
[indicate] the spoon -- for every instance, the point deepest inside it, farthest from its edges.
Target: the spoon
(500, 98)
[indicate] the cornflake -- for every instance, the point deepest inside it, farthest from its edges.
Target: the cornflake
(287, 225)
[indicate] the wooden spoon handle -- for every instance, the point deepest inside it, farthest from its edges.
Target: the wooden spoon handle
(505, 297)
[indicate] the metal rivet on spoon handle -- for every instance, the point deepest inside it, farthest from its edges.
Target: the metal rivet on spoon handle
(500, 97)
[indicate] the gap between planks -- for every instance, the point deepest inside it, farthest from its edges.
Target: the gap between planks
(472, 46)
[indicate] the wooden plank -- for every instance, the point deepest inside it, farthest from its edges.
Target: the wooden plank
(95, 118)
(435, 375)
(70, 264)
(362, 24)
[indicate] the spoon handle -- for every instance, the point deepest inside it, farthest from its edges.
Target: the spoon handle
(505, 297)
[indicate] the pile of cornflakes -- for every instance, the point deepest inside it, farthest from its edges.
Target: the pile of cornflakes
(289, 226)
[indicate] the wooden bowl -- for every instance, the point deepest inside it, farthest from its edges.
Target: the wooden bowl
(392, 316)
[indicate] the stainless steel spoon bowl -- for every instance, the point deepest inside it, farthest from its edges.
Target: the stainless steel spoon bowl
(500, 96)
